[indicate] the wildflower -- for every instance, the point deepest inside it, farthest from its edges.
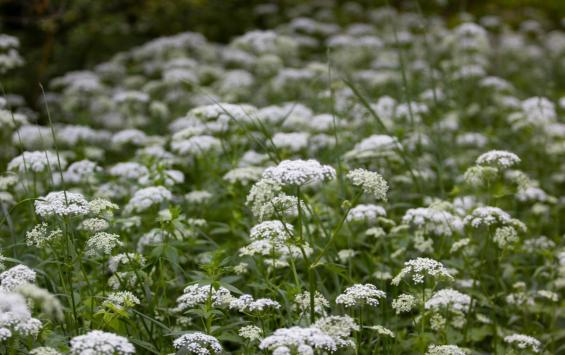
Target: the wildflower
(36, 162)
(505, 236)
(82, 171)
(128, 170)
(244, 175)
(102, 243)
(433, 220)
(195, 295)
(102, 343)
(293, 142)
(197, 145)
(146, 198)
(250, 332)
(366, 213)
(245, 303)
(523, 342)
(498, 158)
(419, 268)
(100, 206)
(302, 302)
(404, 303)
(16, 316)
(276, 231)
(297, 339)
(44, 350)
(61, 204)
(133, 259)
(299, 172)
(121, 300)
(198, 197)
(41, 235)
(198, 343)
(449, 298)
(94, 225)
(480, 176)
(339, 328)
(370, 182)
(359, 294)
(16, 276)
(445, 350)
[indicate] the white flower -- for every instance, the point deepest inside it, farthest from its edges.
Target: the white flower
(61, 204)
(128, 170)
(404, 303)
(523, 342)
(15, 316)
(293, 142)
(297, 339)
(276, 231)
(37, 162)
(445, 350)
(419, 268)
(498, 158)
(492, 216)
(245, 303)
(433, 220)
(198, 343)
(198, 197)
(366, 213)
(302, 302)
(16, 276)
(102, 243)
(339, 328)
(382, 330)
(44, 350)
(146, 198)
(299, 172)
(41, 234)
(136, 260)
(372, 183)
(360, 294)
(101, 343)
(244, 175)
(250, 332)
(121, 300)
(449, 298)
(82, 171)
(195, 295)
(197, 145)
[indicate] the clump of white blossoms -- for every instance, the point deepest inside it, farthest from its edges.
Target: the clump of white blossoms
(146, 198)
(359, 294)
(445, 350)
(299, 172)
(94, 225)
(102, 243)
(339, 328)
(101, 343)
(36, 296)
(246, 304)
(298, 340)
(134, 260)
(15, 317)
(370, 182)
(250, 332)
(500, 159)
(82, 171)
(433, 220)
(365, 213)
(506, 236)
(198, 343)
(244, 175)
(275, 231)
(16, 276)
(404, 303)
(41, 235)
(523, 342)
(450, 299)
(37, 162)
(302, 302)
(121, 300)
(492, 216)
(44, 350)
(197, 145)
(420, 268)
(62, 204)
(196, 295)
(480, 176)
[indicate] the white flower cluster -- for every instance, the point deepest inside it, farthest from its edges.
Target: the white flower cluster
(445, 350)
(359, 294)
(302, 302)
(41, 235)
(297, 340)
(147, 197)
(275, 231)
(433, 220)
(15, 317)
(16, 276)
(371, 182)
(246, 304)
(102, 243)
(420, 268)
(62, 204)
(196, 295)
(198, 343)
(492, 216)
(101, 343)
(450, 299)
(523, 342)
(339, 328)
(250, 332)
(299, 172)
(404, 303)
(365, 213)
(121, 300)
(498, 158)
(244, 175)
(37, 162)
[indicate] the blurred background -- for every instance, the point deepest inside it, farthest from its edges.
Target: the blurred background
(57, 36)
